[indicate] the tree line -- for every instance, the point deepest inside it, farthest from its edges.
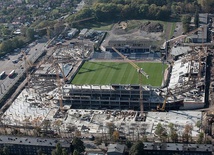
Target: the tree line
(108, 10)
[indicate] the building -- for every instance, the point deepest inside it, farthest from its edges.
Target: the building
(179, 51)
(201, 36)
(82, 33)
(130, 46)
(177, 148)
(116, 149)
(30, 145)
(113, 96)
(72, 33)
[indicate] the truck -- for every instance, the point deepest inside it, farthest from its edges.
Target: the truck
(2, 75)
(11, 74)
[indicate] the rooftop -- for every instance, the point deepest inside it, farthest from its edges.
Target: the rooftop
(178, 147)
(35, 141)
(116, 148)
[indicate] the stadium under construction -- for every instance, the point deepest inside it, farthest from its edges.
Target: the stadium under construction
(49, 94)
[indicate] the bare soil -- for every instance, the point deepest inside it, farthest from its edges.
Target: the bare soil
(151, 27)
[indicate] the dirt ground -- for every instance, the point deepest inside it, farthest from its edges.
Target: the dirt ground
(153, 31)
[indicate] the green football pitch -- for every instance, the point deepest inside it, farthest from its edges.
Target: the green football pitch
(104, 73)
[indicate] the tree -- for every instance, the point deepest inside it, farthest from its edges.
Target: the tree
(186, 23)
(198, 124)
(39, 152)
(64, 151)
(115, 135)
(128, 144)
(173, 133)
(200, 138)
(137, 148)
(111, 128)
(161, 132)
(58, 28)
(47, 125)
(6, 46)
(30, 34)
(77, 133)
(98, 140)
(78, 145)
(58, 150)
(76, 152)
(5, 151)
(57, 124)
(187, 133)
(196, 19)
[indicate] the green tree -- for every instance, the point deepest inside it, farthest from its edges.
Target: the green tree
(137, 148)
(58, 150)
(128, 144)
(198, 124)
(39, 152)
(5, 151)
(6, 46)
(161, 132)
(76, 152)
(30, 34)
(64, 151)
(58, 27)
(200, 139)
(78, 145)
(173, 133)
(186, 23)
(196, 19)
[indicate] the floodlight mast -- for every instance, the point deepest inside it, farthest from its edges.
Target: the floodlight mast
(140, 78)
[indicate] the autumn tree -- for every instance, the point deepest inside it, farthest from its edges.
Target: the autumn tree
(115, 135)
(187, 133)
(98, 140)
(111, 129)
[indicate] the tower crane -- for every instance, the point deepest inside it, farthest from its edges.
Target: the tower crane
(187, 34)
(59, 84)
(140, 73)
(28, 65)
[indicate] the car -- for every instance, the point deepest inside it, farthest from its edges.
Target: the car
(59, 43)
(15, 61)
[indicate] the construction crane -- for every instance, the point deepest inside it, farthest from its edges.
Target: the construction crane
(140, 73)
(59, 84)
(28, 65)
(187, 34)
(164, 102)
(60, 68)
(62, 72)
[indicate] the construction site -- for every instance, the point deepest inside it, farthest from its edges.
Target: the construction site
(50, 102)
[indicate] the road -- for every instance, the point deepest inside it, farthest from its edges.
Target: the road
(7, 65)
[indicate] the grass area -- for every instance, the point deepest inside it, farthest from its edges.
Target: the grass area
(172, 29)
(102, 73)
(100, 26)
